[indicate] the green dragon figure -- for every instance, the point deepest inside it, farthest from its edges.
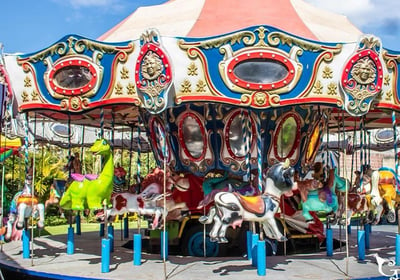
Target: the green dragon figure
(89, 191)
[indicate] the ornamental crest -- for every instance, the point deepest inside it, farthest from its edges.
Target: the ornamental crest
(362, 77)
(153, 73)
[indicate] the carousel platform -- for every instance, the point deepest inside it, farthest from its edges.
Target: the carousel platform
(51, 261)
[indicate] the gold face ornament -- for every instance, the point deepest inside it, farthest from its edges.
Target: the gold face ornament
(152, 66)
(364, 71)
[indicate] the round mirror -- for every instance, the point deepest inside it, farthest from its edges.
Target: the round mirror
(60, 130)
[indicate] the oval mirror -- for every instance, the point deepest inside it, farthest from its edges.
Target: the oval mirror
(73, 77)
(192, 134)
(261, 71)
(286, 137)
(237, 141)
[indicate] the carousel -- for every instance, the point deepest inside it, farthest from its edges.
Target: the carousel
(236, 102)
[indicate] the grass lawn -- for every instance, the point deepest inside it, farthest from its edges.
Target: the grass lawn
(85, 227)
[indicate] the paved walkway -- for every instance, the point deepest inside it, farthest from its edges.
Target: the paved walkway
(52, 261)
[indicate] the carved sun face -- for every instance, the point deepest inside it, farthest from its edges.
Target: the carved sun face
(152, 66)
(364, 71)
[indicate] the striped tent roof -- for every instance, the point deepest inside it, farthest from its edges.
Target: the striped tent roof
(203, 18)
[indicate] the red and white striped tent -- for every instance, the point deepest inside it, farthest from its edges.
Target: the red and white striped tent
(203, 18)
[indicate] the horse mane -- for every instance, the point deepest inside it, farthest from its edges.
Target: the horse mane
(157, 177)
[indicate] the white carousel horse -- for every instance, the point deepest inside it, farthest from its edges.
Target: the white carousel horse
(23, 206)
(150, 201)
(231, 209)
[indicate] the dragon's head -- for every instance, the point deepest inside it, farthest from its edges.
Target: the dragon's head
(101, 147)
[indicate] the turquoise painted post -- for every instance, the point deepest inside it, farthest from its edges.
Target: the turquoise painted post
(110, 231)
(249, 242)
(361, 244)
(261, 258)
(164, 245)
(137, 249)
(254, 241)
(70, 242)
(329, 242)
(397, 249)
(105, 255)
(126, 227)
(78, 224)
(25, 244)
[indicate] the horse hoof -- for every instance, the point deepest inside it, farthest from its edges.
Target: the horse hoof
(203, 219)
(222, 240)
(213, 239)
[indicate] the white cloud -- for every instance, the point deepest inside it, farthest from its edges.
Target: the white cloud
(363, 13)
(378, 17)
(110, 5)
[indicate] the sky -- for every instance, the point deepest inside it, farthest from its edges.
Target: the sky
(31, 25)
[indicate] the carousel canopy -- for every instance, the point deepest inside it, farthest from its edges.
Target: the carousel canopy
(203, 50)
(204, 18)
(201, 75)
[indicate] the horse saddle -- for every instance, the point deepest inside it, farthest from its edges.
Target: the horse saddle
(253, 204)
(80, 177)
(27, 199)
(387, 180)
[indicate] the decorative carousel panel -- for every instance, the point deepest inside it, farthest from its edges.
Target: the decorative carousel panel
(239, 140)
(5, 81)
(159, 140)
(256, 70)
(286, 138)
(77, 74)
(362, 77)
(259, 67)
(390, 97)
(194, 149)
(153, 73)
